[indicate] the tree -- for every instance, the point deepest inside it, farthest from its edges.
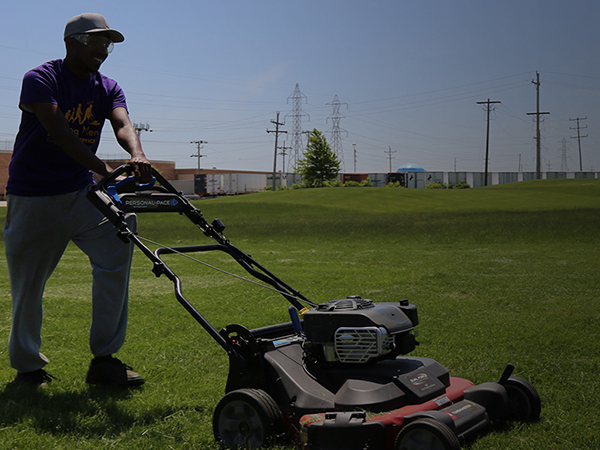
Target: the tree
(320, 163)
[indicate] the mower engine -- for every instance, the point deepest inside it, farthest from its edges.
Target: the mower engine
(357, 331)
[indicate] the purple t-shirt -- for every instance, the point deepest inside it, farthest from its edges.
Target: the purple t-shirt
(38, 166)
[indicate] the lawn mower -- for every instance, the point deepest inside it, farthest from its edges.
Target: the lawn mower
(337, 375)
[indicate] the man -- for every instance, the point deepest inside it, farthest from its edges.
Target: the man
(64, 105)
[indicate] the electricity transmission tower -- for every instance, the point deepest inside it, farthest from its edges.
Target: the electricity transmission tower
(538, 156)
(563, 157)
(579, 138)
(296, 134)
(336, 139)
(489, 108)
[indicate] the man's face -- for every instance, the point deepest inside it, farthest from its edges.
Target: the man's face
(88, 52)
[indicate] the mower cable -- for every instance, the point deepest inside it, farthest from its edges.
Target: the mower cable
(220, 270)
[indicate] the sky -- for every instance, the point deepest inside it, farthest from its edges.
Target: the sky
(406, 77)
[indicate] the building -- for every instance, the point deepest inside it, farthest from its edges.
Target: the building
(222, 182)
(231, 182)
(420, 179)
(5, 156)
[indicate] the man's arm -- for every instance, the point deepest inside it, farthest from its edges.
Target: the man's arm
(130, 141)
(53, 120)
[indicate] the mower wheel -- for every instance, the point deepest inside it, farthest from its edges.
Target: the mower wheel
(247, 418)
(524, 401)
(426, 434)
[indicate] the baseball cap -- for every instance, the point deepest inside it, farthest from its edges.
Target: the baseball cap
(91, 23)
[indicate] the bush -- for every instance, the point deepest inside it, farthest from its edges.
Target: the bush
(436, 185)
(351, 183)
(462, 185)
(393, 184)
(333, 183)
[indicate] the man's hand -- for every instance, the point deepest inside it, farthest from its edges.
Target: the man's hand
(142, 169)
(130, 141)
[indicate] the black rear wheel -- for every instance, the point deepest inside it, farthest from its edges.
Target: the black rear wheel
(524, 401)
(427, 434)
(247, 418)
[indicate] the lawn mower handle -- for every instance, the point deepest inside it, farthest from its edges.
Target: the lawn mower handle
(115, 197)
(106, 197)
(111, 193)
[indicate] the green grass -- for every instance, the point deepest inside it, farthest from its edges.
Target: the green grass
(501, 274)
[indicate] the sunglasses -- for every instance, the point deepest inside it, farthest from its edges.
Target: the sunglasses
(96, 42)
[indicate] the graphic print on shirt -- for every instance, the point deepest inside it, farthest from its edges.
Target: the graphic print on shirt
(83, 124)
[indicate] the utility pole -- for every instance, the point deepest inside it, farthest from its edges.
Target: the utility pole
(276, 131)
(139, 127)
(354, 147)
(283, 153)
(389, 153)
(197, 154)
(489, 109)
(538, 156)
(579, 138)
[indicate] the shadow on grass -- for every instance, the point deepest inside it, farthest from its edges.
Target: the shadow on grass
(91, 413)
(495, 428)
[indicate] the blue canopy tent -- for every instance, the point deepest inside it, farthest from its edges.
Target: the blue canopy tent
(410, 168)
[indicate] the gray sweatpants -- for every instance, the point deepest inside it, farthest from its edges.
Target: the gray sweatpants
(36, 234)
